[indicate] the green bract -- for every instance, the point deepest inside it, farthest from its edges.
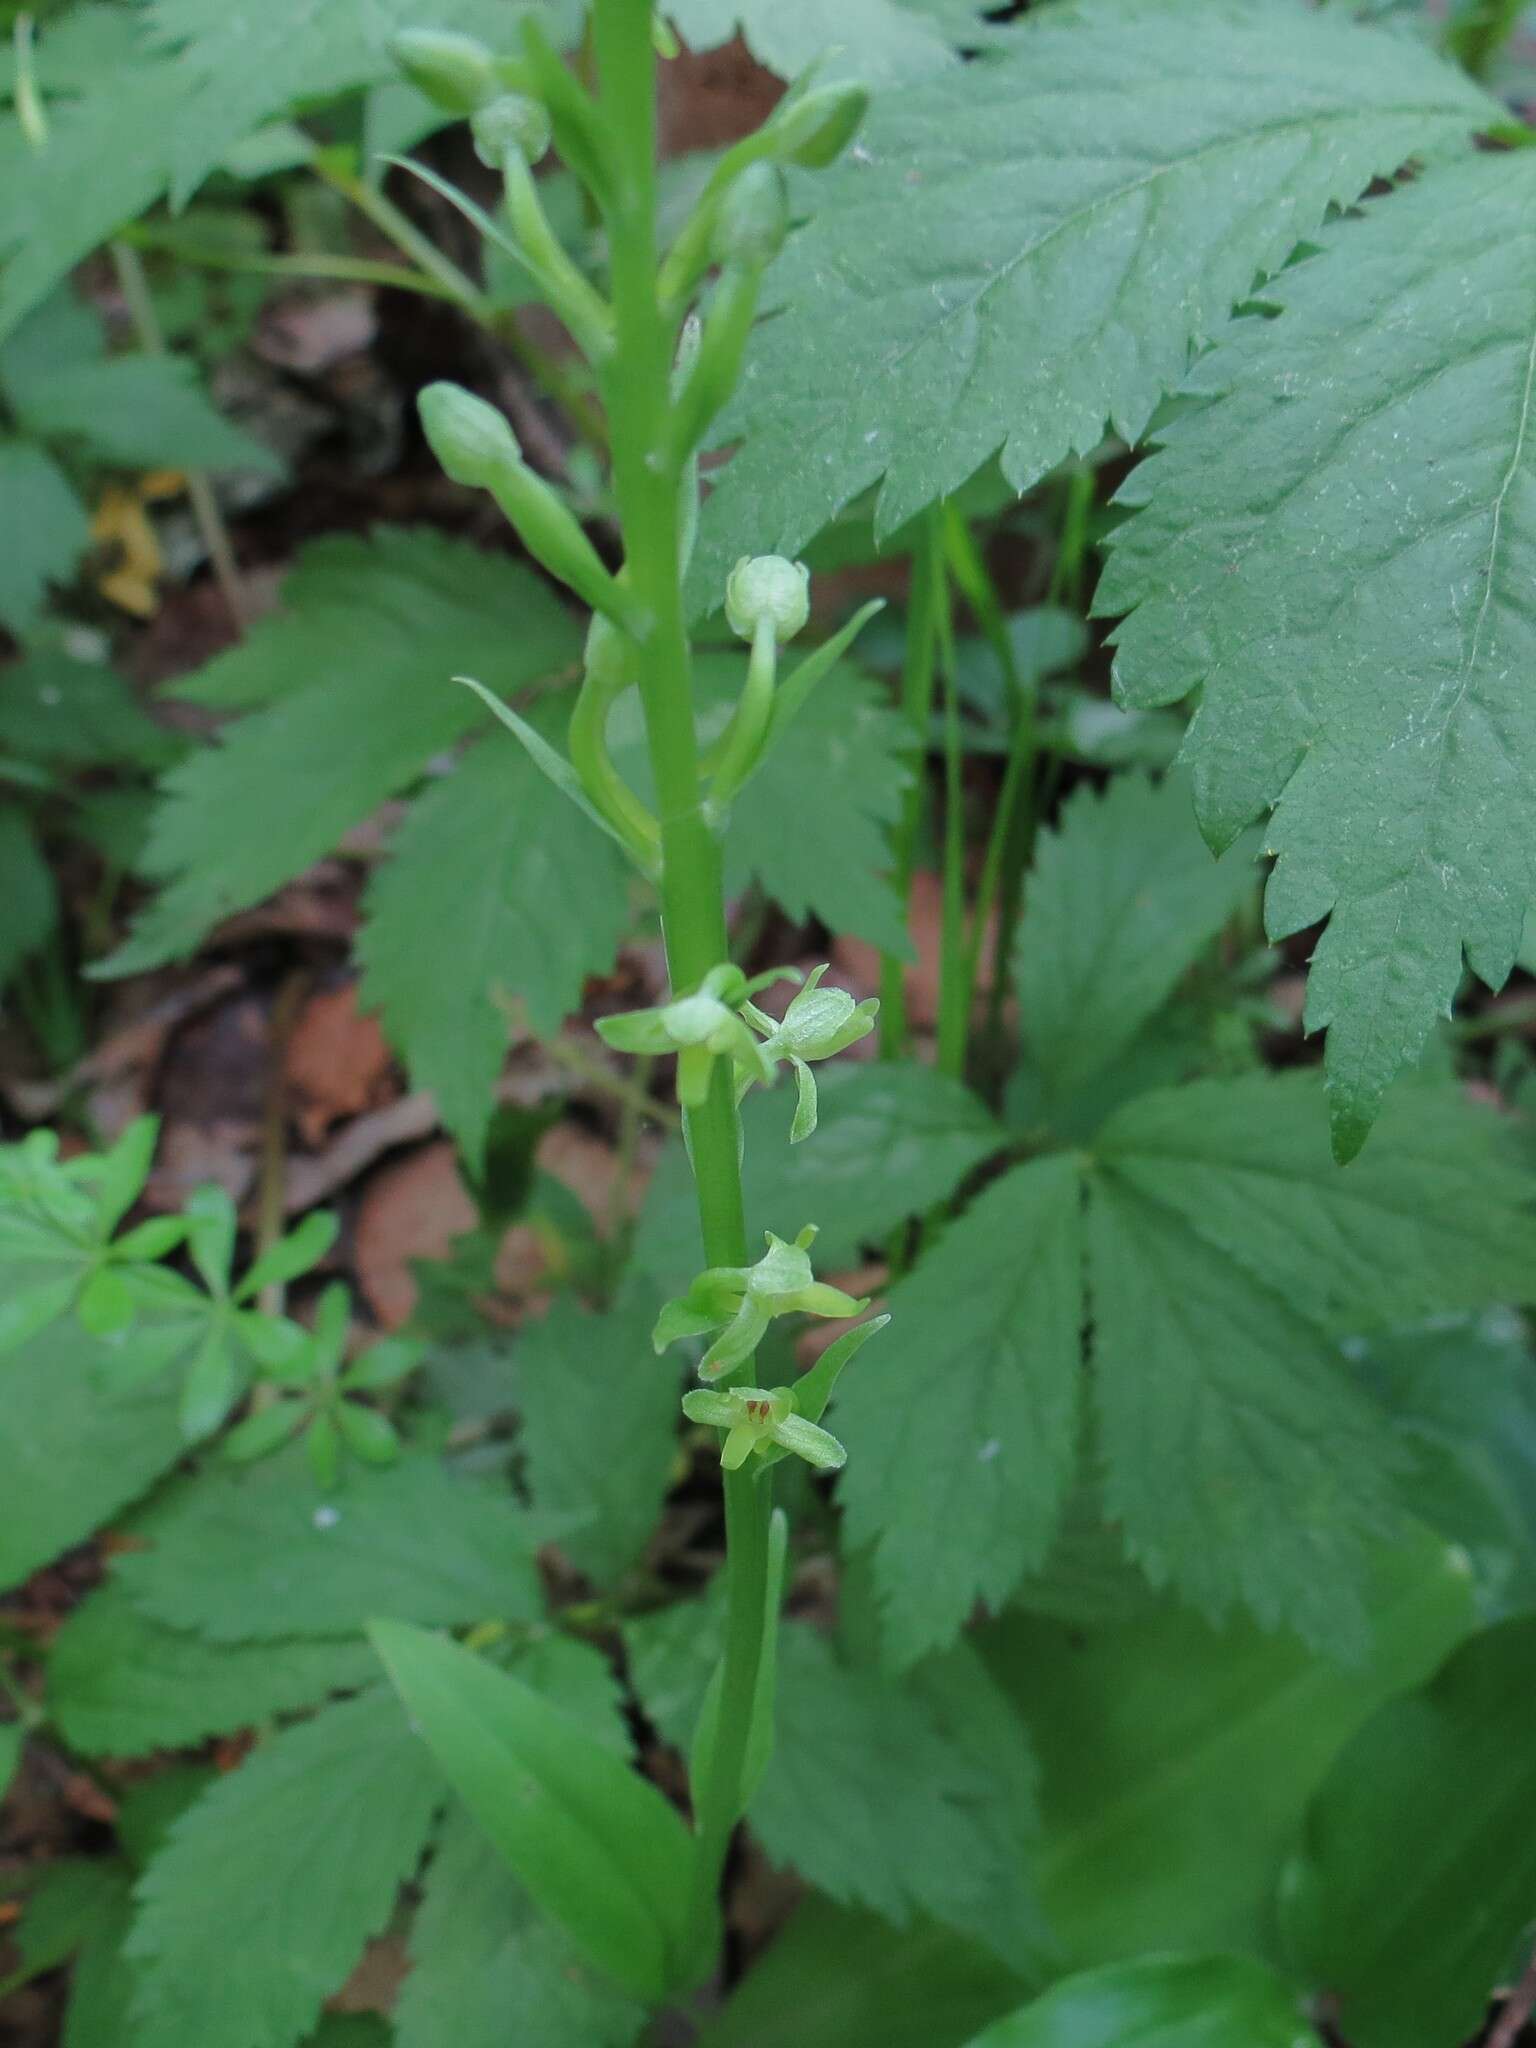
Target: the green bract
(743, 1300)
(757, 1421)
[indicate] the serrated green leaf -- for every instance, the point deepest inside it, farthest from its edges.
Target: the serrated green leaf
(78, 714)
(1238, 1460)
(599, 1427)
(1436, 1219)
(360, 666)
(481, 1953)
(1369, 688)
(974, 279)
(259, 1553)
(892, 1141)
(1160, 2002)
(31, 900)
(595, 1844)
(1417, 1869)
(140, 412)
(497, 873)
(43, 531)
(839, 771)
(875, 41)
(1170, 1825)
(962, 1435)
(120, 1684)
(77, 1445)
(323, 1824)
(1123, 899)
(840, 1979)
(72, 1901)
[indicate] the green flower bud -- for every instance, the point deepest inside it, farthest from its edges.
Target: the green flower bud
(768, 586)
(746, 1299)
(455, 72)
(476, 446)
(814, 130)
(761, 1420)
(511, 121)
(753, 218)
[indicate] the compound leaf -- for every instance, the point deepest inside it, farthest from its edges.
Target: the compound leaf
(963, 1429)
(1170, 2001)
(323, 1824)
(360, 666)
(1336, 548)
(975, 278)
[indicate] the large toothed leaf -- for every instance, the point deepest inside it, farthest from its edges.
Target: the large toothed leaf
(1020, 251)
(875, 41)
(355, 677)
(322, 1825)
(1338, 549)
(963, 1427)
(499, 874)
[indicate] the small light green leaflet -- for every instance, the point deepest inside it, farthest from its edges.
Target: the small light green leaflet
(839, 1978)
(972, 279)
(43, 531)
(323, 1822)
(1416, 1876)
(1352, 600)
(482, 1955)
(875, 41)
(1123, 899)
(258, 1553)
(497, 869)
(1169, 1829)
(120, 1684)
(595, 1845)
(353, 681)
(1161, 2002)
(76, 1447)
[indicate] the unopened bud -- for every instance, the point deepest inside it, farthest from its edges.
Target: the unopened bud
(768, 586)
(469, 437)
(815, 129)
(753, 218)
(455, 72)
(511, 121)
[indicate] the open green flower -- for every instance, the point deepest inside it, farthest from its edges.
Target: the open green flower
(817, 1024)
(757, 1420)
(741, 1301)
(699, 1028)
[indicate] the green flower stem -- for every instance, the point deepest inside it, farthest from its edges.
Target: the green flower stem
(917, 702)
(637, 390)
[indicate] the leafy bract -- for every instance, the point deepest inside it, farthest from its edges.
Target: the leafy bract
(120, 1684)
(1160, 2002)
(482, 1953)
(1170, 1826)
(596, 1846)
(975, 279)
(966, 1420)
(258, 1554)
(1336, 549)
(323, 1824)
(76, 1445)
(43, 531)
(891, 1141)
(498, 875)
(360, 668)
(1123, 899)
(1417, 1869)
(599, 1434)
(875, 41)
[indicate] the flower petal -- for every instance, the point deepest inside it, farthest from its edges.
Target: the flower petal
(817, 1446)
